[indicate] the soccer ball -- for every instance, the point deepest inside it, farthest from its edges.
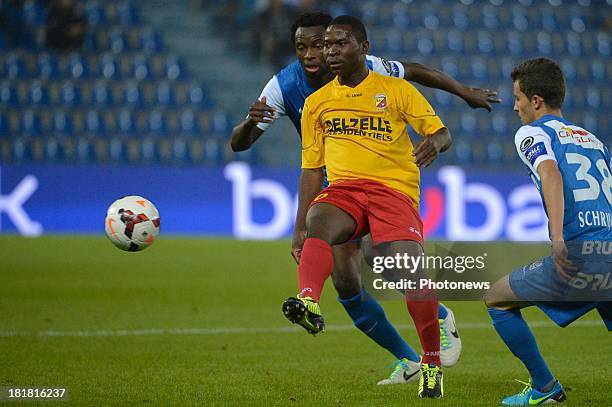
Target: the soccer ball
(132, 223)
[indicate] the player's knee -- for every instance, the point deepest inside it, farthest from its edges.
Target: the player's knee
(492, 299)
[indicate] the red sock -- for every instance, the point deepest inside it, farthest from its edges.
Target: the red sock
(425, 317)
(316, 264)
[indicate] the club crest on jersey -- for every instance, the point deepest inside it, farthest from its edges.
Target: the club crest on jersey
(381, 101)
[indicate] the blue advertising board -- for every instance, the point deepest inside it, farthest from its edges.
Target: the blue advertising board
(251, 203)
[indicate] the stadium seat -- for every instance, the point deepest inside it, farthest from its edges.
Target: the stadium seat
(30, 123)
(157, 123)
(38, 94)
(70, 94)
(132, 95)
(164, 94)
(8, 94)
(187, 123)
(93, 123)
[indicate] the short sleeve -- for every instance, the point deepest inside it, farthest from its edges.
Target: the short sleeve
(274, 98)
(313, 151)
(416, 111)
(533, 147)
(386, 68)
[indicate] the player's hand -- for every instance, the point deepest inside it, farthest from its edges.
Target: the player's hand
(296, 245)
(260, 112)
(427, 151)
(564, 267)
(480, 98)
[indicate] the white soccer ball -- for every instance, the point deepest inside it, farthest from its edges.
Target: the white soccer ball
(132, 223)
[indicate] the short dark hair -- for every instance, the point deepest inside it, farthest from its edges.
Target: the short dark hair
(357, 27)
(310, 20)
(542, 77)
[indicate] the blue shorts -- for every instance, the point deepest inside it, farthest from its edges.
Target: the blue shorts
(563, 302)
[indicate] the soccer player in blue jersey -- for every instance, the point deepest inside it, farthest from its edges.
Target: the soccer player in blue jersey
(284, 95)
(571, 168)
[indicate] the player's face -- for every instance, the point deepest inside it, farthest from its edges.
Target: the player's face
(342, 51)
(522, 105)
(309, 50)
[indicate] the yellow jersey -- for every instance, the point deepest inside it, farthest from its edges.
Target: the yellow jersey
(360, 133)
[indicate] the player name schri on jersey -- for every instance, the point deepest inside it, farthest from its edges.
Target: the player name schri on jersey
(584, 163)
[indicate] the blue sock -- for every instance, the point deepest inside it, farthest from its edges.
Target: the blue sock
(442, 311)
(370, 318)
(517, 336)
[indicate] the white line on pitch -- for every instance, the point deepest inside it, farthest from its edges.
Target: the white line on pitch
(238, 330)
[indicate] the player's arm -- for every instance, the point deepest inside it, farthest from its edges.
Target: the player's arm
(535, 150)
(416, 111)
(433, 78)
(428, 149)
(311, 180)
(552, 192)
(262, 114)
(246, 132)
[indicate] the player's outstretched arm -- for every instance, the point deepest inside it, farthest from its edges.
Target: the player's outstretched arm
(310, 186)
(428, 149)
(246, 132)
(433, 78)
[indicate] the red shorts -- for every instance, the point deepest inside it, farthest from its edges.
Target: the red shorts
(377, 209)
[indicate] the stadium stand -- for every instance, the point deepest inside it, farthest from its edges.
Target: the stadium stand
(123, 96)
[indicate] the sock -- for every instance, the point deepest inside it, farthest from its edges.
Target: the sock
(370, 318)
(442, 311)
(316, 265)
(425, 317)
(517, 336)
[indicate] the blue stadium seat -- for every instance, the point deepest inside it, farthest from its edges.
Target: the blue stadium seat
(62, 124)
(126, 122)
(126, 13)
(164, 94)
(30, 123)
(117, 40)
(149, 40)
(101, 94)
(34, 12)
(47, 66)
(109, 68)
(38, 94)
(187, 123)
(603, 44)
(593, 97)
(8, 94)
(96, 15)
(77, 67)
(14, 68)
(157, 123)
(174, 68)
(197, 95)
(93, 123)
(140, 68)
(70, 94)
(132, 95)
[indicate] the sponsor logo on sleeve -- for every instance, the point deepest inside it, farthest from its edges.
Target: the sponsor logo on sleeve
(387, 66)
(526, 143)
(533, 152)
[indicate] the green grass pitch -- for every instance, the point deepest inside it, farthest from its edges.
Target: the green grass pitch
(198, 322)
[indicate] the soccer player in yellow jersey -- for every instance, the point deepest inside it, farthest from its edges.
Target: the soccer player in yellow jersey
(355, 126)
